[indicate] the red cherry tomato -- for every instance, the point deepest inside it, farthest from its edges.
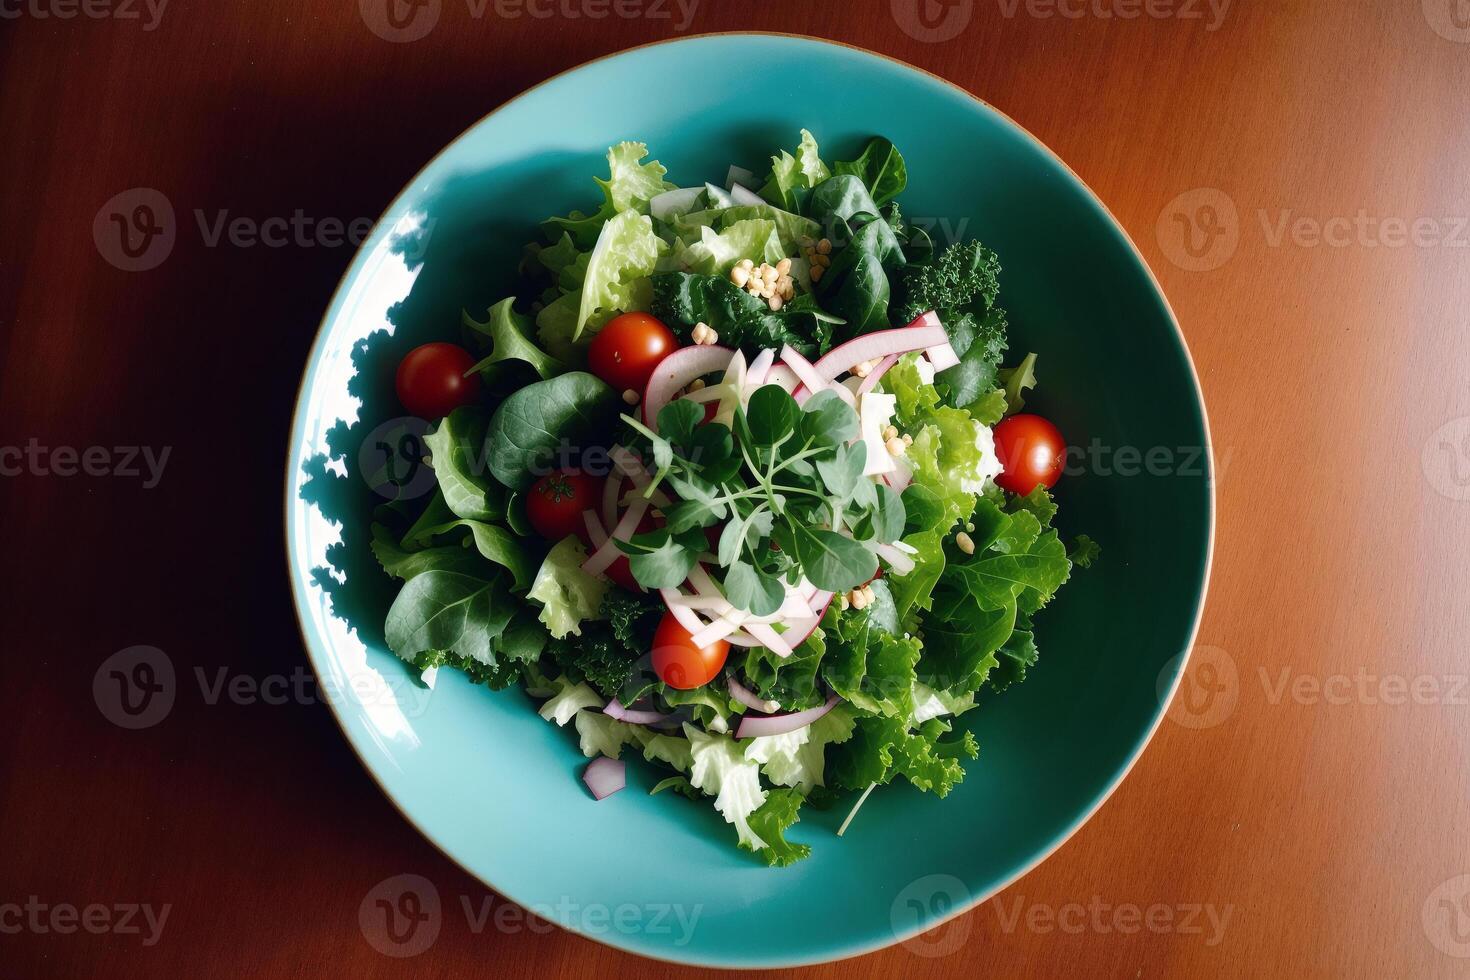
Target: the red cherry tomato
(681, 664)
(555, 503)
(1032, 452)
(431, 380)
(625, 351)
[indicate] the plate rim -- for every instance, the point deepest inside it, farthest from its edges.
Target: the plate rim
(842, 951)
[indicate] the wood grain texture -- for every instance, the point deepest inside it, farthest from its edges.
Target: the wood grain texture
(1323, 822)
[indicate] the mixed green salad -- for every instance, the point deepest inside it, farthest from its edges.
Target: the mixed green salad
(737, 483)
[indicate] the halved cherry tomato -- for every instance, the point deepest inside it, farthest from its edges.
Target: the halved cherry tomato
(555, 503)
(431, 380)
(681, 664)
(626, 350)
(1032, 452)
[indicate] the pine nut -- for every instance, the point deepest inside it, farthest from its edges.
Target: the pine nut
(824, 247)
(739, 276)
(630, 396)
(784, 266)
(966, 545)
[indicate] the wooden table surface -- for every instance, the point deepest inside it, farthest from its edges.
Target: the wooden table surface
(1304, 810)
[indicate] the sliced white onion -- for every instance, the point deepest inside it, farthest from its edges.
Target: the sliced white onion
(901, 563)
(683, 613)
(876, 375)
(810, 377)
(749, 698)
(876, 346)
(615, 709)
(605, 776)
(676, 371)
(733, 384)
(718, 629)
(699, 603)
(595, 531)
(751, 727)
(769, 638)
(742, 195)
(708, 393)
(662, 206)
(608, 553)
(755, 374)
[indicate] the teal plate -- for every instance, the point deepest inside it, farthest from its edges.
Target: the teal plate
(497, 788)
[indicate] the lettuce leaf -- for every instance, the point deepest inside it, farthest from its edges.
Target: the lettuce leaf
(717, 252)
(883, 748)
(769, 824)
(630, 185)
(567, 594)
(881, 169)
(508, 335)
(617, 273)
(793, 176)
(719, 768)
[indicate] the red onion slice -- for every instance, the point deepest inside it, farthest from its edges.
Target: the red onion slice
(611, 495)
(810, 377)
(876, 346)
(876, 375)
(615, 709)
(749, 698)
(676, 371)
(751, 727)
(781, 374)
(605, 776)
(900, 476)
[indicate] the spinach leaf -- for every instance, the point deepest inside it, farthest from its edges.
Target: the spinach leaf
(833, 562)
(457, 448)
(880, 168)
(856, 286)
(449, 611)
(533, 423)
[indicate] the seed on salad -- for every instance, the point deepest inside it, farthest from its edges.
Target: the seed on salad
(702, 334)
(966, 545)
(824, 247)
(890, 433)
(896, 447)
(858, 598)
(816, 273)
(712, 337)
(788, 288)
(696, 384)
(822, 260)
(630, 396)
(747, 264)
(784, 266)
(775, 302)
(739, 276)
(908, 440)
(969, 525)
(862, 368)
(843, 603)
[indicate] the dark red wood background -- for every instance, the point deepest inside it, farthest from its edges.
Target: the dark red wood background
(1316, 809)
